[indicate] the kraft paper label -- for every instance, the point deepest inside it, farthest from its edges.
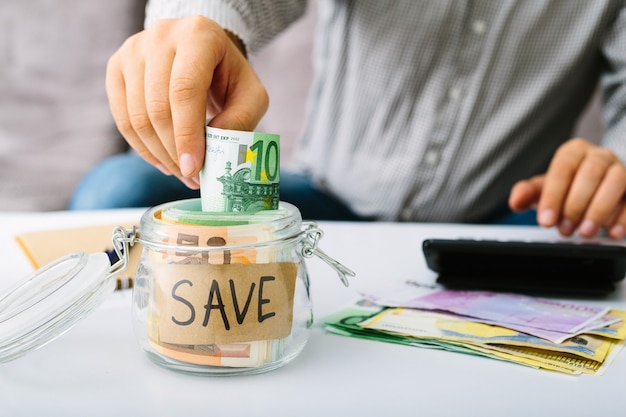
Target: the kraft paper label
(211, 304)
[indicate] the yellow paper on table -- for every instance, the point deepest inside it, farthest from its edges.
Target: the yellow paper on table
(43, 247)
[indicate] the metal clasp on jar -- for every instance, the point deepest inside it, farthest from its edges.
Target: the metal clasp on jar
(312, 235)
(122, 240)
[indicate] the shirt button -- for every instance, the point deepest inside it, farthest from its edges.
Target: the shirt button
(455, 93)
(479, 27)
(406, 214)
(431, 157)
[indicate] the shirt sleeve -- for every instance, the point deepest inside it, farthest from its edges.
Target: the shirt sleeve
(613, 85)
(255, 22)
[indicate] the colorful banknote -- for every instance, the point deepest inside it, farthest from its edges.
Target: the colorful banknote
(189, 212)
(588, 353)
(548, 318)
(241, 171)
(346, 323)
(547, 314)
(417, 323)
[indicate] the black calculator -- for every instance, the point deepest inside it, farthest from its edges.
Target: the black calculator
(559, 267)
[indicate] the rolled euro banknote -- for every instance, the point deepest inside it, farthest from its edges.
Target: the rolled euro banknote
(241, 171)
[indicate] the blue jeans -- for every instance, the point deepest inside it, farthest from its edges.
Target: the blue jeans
(126, 180)
(299, 190)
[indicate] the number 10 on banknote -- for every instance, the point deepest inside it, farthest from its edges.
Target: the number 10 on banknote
(241, 171)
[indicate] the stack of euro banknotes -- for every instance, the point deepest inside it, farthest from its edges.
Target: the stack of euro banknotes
(239, 186)
(542, 333)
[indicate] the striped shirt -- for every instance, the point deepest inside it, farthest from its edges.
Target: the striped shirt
(432, 110)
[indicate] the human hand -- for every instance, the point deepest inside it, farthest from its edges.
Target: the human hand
(584, 189)
(165, 81)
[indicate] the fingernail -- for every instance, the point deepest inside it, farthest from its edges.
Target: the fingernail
(187, 164)
(163, 169)
(566, 227)
(617, 232)
(588, 228)
(547, 217)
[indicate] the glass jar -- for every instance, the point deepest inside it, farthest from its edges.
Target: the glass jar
(224, 293)
(214, 293)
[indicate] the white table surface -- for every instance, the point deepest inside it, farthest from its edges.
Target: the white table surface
(98, 369)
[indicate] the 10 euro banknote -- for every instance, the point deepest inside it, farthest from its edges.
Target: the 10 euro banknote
(241, 172)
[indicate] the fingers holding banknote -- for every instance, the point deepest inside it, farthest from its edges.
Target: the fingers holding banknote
(165, 81)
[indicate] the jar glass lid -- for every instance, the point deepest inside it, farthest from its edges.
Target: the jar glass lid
(48, 302)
